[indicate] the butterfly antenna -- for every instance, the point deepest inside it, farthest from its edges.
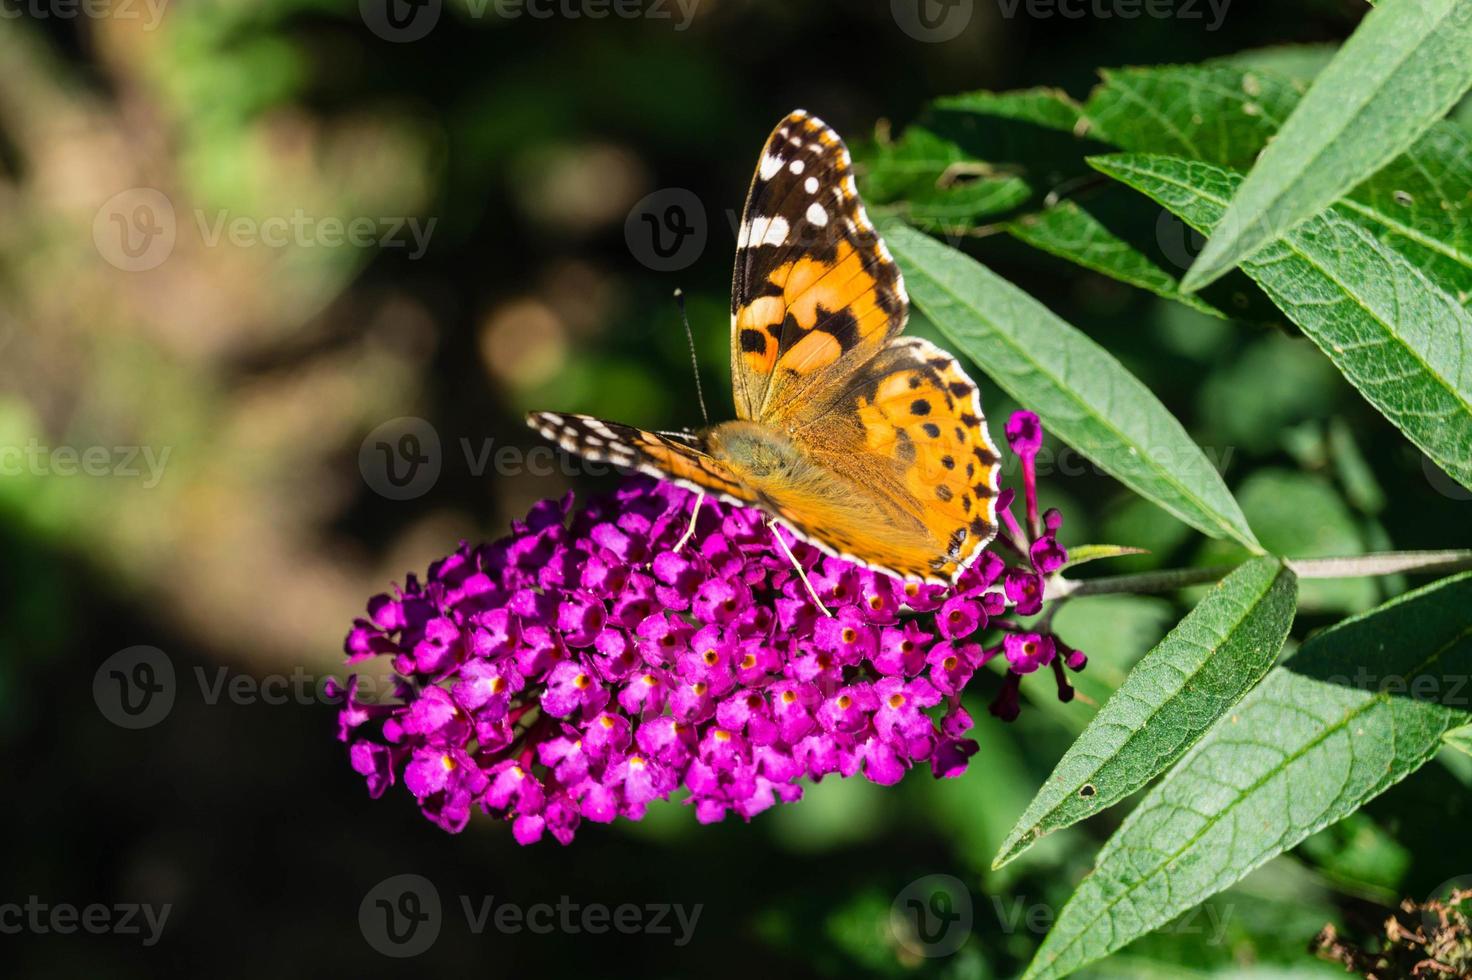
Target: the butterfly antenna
(694, 361)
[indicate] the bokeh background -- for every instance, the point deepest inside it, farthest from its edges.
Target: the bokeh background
(259, 372)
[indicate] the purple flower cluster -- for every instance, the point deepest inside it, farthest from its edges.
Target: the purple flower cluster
(582, 667)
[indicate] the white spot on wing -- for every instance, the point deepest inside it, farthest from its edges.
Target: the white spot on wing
(817, 215)
(797, 167)
(764, 230)
(769, 166)
(810, 185)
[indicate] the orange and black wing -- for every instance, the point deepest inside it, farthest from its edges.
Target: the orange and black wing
(906, 442)
(815, 293)
(627, 447)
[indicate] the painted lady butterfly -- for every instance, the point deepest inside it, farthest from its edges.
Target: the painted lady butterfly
(867, 444)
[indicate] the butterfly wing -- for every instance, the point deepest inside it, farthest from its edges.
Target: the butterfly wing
(905, 477)
(682, 462)
(815, 293)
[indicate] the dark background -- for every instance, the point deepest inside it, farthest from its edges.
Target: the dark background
(263, 370)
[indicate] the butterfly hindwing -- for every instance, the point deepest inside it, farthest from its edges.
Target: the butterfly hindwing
(907, 434)
(815, 292)
(637, 449)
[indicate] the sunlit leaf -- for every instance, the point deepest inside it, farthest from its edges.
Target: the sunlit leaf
(1197, 673)
(1403, 68)
(1360, 707)
(1398, 338)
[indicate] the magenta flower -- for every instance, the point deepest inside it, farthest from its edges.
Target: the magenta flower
(581, 668)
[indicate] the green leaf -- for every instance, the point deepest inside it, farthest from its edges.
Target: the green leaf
(1069, 232)
(1081, 554)
(1225, 112)
(1222, 114)
(1358, 709)
(1460, 738)
(1404, 67)
(1420, 205)
(1037, 130)
(937, 183)
(1299, 62)
(1081, 392)
(1200, 670)
(1403, 342)
(1049, 108)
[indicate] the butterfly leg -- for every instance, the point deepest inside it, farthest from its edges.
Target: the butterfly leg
(772, 525)
(694, 515)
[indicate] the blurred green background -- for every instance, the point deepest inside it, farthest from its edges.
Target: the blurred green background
(261, 365)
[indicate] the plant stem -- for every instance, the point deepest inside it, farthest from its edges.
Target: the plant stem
(1350, 566)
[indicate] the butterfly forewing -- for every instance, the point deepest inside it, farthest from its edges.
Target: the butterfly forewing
(637, 449)
(815, 292)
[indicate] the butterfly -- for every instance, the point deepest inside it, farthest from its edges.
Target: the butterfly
(867, 444)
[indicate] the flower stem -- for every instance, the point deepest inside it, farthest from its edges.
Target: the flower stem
(1350, 566)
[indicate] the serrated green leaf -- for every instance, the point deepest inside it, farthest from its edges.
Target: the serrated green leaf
(1223, 114)
(1069, 232)
(1404, 67)
(1195, 675)
(1050, 108)
(1361, 706)
(1398, 338)
(937, 183)
(1081, 392)
(1460, 738)
(1420, 205)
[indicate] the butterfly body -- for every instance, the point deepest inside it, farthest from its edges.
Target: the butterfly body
(870, 445)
